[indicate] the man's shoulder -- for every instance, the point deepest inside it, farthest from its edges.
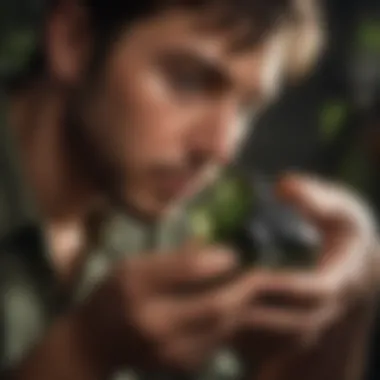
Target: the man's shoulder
(22, 306)
(16, 202)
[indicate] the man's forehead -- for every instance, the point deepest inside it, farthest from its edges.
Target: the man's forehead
(260, 65)
(180, 26)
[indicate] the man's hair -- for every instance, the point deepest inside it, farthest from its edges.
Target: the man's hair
(252, 20)
(259, 15)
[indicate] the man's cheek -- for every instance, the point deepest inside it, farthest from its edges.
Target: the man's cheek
(143, 158)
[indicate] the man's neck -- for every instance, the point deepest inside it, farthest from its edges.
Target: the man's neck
(61, 190)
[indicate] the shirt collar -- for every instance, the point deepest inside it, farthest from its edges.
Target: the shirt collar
(17, 209)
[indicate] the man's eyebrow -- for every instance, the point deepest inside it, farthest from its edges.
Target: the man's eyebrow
(212, 70)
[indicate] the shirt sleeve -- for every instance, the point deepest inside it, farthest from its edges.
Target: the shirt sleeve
(21, 312)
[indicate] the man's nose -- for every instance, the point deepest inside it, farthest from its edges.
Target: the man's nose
(217, 133)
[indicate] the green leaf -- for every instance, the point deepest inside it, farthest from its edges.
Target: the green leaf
(332, 119)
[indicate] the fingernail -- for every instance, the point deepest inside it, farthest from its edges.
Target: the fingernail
(217, 260)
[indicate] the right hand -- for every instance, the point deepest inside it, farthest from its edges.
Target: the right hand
(164, 312)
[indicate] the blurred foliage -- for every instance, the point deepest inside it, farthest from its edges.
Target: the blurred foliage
(332, 119)
(369, 34)
(19, 20)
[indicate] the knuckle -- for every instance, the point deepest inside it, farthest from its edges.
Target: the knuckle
(355, 209)
(308, 327)
(320, 323)
(218, 307)
(183, 265)
(137, 283)
(330, 289)
(188, 264)
(152, 328)
(178, 358)
(311, 331)
(131, 295)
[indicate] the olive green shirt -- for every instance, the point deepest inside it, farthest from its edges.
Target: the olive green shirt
(29, 296)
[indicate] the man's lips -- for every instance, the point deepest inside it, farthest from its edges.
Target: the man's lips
(182, 184)
(175, 186)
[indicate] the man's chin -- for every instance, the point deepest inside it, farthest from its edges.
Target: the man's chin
(150, 210)
(154, 210)
(153, 207)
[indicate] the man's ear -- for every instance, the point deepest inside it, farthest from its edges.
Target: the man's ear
(68, 42)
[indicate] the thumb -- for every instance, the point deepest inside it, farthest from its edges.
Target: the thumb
(323, 202)
(346, 222)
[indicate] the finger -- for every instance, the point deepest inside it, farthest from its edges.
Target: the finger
(271, 319)
(324, 202)
(167, 319)
(332, 283)
(346, 265)
(221, 308)
(217, 309)
(306, 327)
(168, 271)
(297, 289)
(346, 222)
(186, 324)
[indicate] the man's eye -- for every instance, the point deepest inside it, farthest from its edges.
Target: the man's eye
(187, 83)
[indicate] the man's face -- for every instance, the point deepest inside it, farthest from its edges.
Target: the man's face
(172, 106)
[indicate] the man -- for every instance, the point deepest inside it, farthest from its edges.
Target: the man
(135, 106)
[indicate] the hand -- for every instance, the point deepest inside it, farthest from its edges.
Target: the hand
(305, 304)
(166, 312)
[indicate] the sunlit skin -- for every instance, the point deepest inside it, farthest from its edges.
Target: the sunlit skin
(172, 105)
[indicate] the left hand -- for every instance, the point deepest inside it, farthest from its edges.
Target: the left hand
(305, 304)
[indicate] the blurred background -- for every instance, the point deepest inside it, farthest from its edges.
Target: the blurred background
(329, 124)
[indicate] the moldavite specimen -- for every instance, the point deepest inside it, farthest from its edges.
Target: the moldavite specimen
(247, 216)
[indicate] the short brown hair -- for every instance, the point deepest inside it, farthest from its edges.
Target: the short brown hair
(254, 19)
